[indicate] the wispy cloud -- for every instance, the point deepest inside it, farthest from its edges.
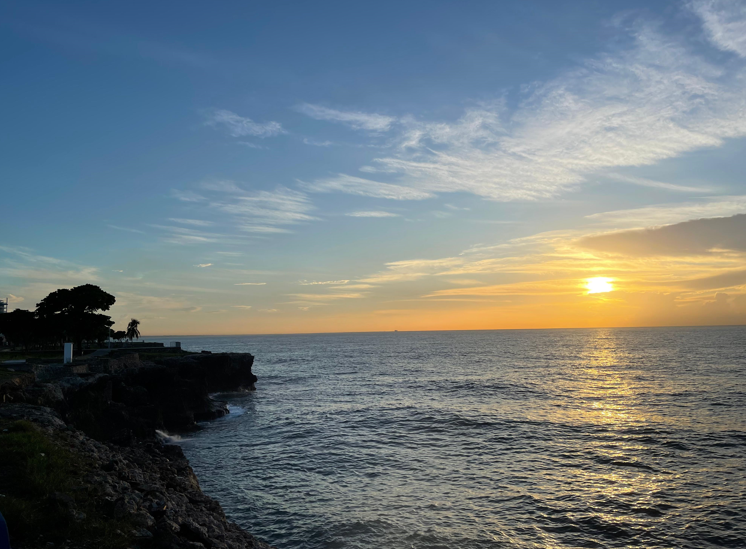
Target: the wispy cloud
(203, 265)
(187, 196)
(126, 229)
(348, 287)
(326, 297)
(666, 214)
(322, 282)
(364, 187)
(355, 119)
(644, 182)
(24, 264)
(629, 107)
(315, 143)
(724, 22)
(185, 235)
(195, 222)
(241, 306)
(549, 287)
(263, 211)
(239, 126)
(720, 281)
(372, 214)
(264, 229)
(251, 284)
(409, 270)
(251, 145)
(258, 212)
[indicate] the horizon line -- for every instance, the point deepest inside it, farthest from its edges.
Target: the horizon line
(457, 330)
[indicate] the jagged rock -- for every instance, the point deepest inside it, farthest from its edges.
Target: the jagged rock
(62, 502)
(143, 520)
(110, 420)
(142, 533)
(44, 417)
(194, 532)
(126, 505)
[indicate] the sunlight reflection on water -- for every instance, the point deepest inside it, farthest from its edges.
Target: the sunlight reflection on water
(564, 438)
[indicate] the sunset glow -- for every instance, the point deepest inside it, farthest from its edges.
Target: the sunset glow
(599, 285)
(333, 188)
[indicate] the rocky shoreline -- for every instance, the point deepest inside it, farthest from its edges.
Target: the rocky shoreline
(106, 416)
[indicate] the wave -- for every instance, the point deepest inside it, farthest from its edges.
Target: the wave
(165, 438)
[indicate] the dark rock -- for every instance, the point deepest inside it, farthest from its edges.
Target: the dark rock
(124, 506)
(62, 502)
(110, 419)
(142, 533)
(143, 520)
(194, 532)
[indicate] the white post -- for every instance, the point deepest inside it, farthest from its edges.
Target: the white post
(68, 353)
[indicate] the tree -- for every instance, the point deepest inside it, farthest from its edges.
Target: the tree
(20, 328)
(118, 335)
(72, 314)
(132, 331)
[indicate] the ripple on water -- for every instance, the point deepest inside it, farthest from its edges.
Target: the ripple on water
(520, 439)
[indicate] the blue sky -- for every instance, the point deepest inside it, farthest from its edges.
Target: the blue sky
(336, 166)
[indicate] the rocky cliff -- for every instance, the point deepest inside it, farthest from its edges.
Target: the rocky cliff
(104, 420)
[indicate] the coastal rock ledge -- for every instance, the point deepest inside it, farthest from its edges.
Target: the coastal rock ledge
(108, 466)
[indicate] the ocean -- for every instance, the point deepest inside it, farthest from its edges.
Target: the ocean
(484, 439)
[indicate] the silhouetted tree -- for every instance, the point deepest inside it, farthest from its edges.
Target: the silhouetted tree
(118, 335)
(132, 329)
(72, 314)
(20, 328)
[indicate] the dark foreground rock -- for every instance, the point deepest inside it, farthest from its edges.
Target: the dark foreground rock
(124, 399)
(108, 422)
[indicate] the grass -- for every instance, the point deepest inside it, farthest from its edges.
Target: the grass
(156, 356)
(33, 467)
(24, 355)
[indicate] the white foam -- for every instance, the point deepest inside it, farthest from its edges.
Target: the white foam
(169, 439)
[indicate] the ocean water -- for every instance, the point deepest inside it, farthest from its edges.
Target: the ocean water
(485, 439)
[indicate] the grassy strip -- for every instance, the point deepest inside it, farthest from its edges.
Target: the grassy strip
(154, 356)
(23, 355)
(33, 470)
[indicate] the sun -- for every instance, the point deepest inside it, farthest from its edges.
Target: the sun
(599, 284)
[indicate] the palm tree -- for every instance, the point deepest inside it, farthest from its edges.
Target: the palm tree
(132, 331)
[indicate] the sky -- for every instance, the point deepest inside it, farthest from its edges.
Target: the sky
(283, 167)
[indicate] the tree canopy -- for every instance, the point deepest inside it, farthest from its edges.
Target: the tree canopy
(72, 314)
(64, 315)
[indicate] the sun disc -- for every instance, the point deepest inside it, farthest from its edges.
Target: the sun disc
(599, 285)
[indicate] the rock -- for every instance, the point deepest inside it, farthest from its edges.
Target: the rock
(194, 532)
(109, 420)
(142, 533)
(62, 502)
(157, 508)
(143, 520)
(169, 526)
(44, 417)
(126, 505)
